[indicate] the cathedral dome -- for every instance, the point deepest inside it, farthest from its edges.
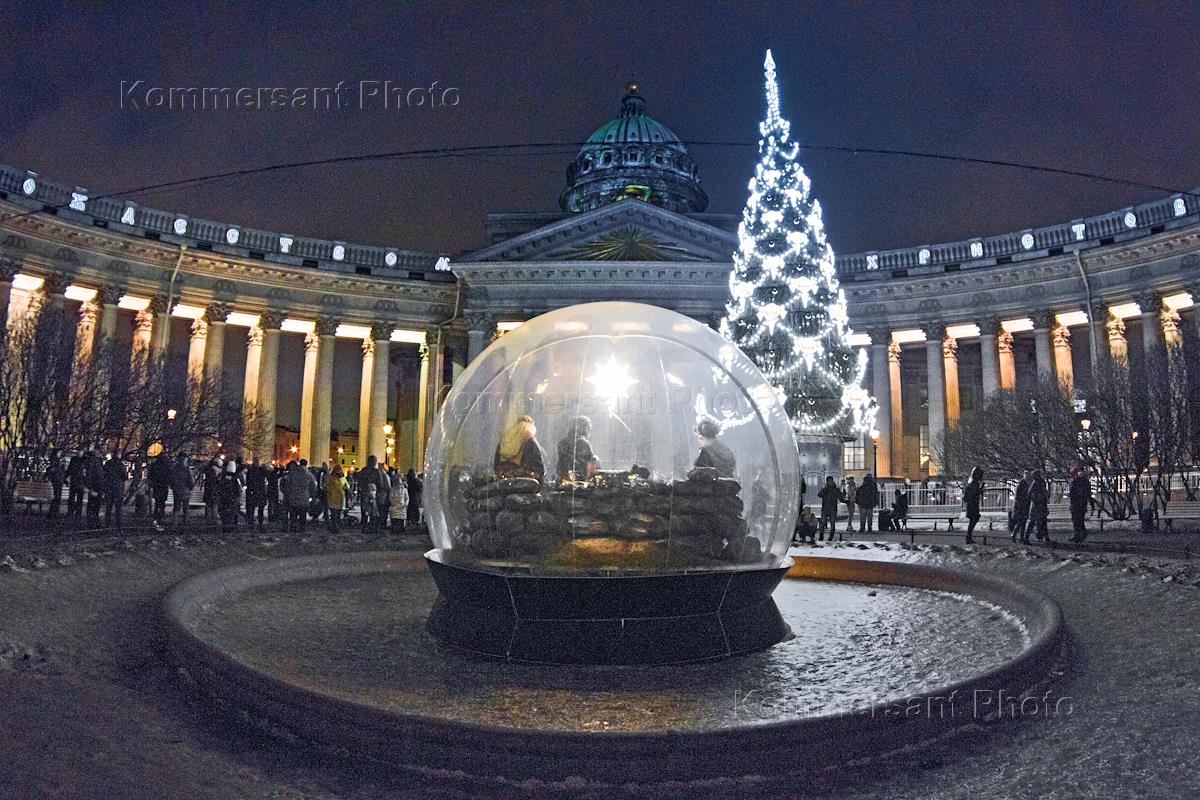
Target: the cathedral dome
(633, 157)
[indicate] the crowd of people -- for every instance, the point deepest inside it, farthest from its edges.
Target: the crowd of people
(233, 492)
(1028, 515)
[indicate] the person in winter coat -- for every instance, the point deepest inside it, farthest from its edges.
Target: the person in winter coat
(372, 482)
(182, 481)
(1039, 508)
(415, 489)
(274, 475)
(867, 498)
(972, 498)
(398, 502)
(229, 496)
(114, 476)
(256, 494)
(518, 454)
(159, 477)
(1079, 494)
(93, 481)
(298, 487)
(56, 473)
(1020, 512)
(713, 452)
(212, 476)
(337, 488)
(850, 498)
(76, 486)
(900, 509)
(830, 496)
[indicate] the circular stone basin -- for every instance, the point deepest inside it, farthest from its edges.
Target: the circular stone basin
(334, 650)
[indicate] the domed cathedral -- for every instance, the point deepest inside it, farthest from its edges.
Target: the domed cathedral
(945, 324)
(633, 156)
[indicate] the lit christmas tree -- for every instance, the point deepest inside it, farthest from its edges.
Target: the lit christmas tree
(786, 310)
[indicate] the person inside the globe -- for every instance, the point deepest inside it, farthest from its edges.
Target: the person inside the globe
(519, 453)
(575, 457)
(713, 452)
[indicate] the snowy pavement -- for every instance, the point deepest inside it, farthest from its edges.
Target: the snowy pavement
(89, 709)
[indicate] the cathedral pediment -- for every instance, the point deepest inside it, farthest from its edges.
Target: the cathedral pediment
(630, 230)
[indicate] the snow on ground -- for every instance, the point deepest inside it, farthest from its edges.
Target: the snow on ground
(88, 709)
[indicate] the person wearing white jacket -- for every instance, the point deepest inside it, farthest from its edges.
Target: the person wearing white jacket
(398, 504)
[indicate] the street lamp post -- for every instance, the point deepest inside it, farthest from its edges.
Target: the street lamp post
(875, 452)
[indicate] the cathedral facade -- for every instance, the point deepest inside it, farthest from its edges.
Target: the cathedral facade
(945, 324)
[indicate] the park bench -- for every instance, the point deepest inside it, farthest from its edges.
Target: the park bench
(948, 512)
(32, 493)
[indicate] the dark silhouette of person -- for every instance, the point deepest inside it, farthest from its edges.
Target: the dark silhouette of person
(575, 457)
(972, 498)
(713, 452)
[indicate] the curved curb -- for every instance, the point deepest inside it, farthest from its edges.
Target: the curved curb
(417, 741)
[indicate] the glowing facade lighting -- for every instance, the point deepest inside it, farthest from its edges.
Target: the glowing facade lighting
(408, 337)
(1017, 325)
(1069, 318)
(27, 283)
(131, 303)
(80, 294)
(298, 325)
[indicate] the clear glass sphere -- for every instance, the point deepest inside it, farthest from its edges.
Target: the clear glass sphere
(612, 437)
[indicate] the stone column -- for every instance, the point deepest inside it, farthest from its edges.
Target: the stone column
(1151, 305)
(311, 343)
(480, 327)
(139, 356)
(1008, 363)
(1194, 291)
(880, 339)
(323, 391)
(423, 404)
(8, 271)
(897, 408)
(364, 399)
(268, 369)
(989, 358)
(160, 334)
(935, 362)
(250, 409)
(1043, 322)
(950, 357)
(196, 350)
(214, 348)
(85, 345)
(1118, 345)
(1063, 366)
(382, 333)
(109, 298)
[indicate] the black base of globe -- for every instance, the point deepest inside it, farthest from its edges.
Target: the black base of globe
(621, 619)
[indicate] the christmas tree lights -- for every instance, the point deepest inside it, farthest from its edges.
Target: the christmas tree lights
(786, 309)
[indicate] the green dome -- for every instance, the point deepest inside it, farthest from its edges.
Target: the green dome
(633, 157)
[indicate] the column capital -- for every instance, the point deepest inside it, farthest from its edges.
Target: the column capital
(1170, 324)
(8, 270)
(934, 331)
(271, 319)
(368, 348)
(1043, 319)
(381, 330)
(326, 326)
(109, 295)
(894, 352)
(311, 342)
(1150, 302)
(1098, 312)
(87, 313)
(1115, 328)
(55, 284)
(1061, 336)
(157, 304)
(144, 320)
(254, 337)
(217, 312)
(479, 320)
(423, 348)
(1004, 342)
(199, 329)
(950, 348)
(990, 326)
(880, 336)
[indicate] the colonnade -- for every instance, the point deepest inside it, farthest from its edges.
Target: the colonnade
(1052, 331)
(260, 385)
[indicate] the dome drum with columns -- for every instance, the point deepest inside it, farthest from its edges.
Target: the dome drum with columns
(944, 324)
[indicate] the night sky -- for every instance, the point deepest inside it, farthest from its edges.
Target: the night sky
(1098, 89)
(1103, 89)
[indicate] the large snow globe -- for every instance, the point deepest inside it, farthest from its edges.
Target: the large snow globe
(609, 440)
